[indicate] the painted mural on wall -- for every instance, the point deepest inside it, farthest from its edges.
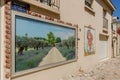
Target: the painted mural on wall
(89, 44)
(39, 44)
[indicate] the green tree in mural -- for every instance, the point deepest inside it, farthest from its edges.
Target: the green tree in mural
(51, 38)
(26, 42)
(58, 40)
(71, 41)
(18, 41)
(65, 43)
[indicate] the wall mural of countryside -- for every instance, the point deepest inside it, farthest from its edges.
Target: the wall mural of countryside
(39, 44)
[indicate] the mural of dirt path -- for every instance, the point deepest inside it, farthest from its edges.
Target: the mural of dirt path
(53, 56)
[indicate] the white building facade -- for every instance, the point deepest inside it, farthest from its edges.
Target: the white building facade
(116, 36)
(91, 14)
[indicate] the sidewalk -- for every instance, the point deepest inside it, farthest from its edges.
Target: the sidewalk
(108, 70)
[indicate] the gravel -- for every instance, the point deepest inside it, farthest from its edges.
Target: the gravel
(107, 70)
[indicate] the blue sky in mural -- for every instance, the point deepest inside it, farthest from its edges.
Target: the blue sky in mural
(40, 29)
(117, 5)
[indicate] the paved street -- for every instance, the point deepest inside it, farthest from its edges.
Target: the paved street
(108, 70)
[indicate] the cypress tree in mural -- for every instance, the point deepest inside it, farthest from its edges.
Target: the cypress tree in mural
(51, 38)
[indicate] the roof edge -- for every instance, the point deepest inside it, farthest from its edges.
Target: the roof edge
(110, 4)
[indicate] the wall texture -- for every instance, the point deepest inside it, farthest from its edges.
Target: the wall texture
(74, 12)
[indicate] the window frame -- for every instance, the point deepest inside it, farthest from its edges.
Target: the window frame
(105, 20)
(89, 4)
(90, 9)
(48, 2)
(104, 13)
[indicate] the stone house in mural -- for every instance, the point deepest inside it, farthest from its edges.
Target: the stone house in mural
(84, 39)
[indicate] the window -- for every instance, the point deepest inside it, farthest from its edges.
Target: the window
(88, 3)
(104, 13)
(88, 7)
(105, 21)
(52, 3)
(48, 2)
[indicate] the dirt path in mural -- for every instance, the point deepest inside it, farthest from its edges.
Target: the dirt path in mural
(53, 56)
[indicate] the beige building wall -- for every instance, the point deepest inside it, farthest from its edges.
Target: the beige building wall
(114, 40)
(115, 36)
(76, 13)
(45, 12)
(118, 46)
(118, 43)
(0, 39)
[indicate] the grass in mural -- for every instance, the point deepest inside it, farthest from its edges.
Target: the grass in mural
(34, 50)
(30, 58)
(68, 53)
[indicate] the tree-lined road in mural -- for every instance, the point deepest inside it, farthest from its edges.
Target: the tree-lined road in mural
(53, 56)
(40, 44)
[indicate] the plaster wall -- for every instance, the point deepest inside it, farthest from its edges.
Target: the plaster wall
(74, 12)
